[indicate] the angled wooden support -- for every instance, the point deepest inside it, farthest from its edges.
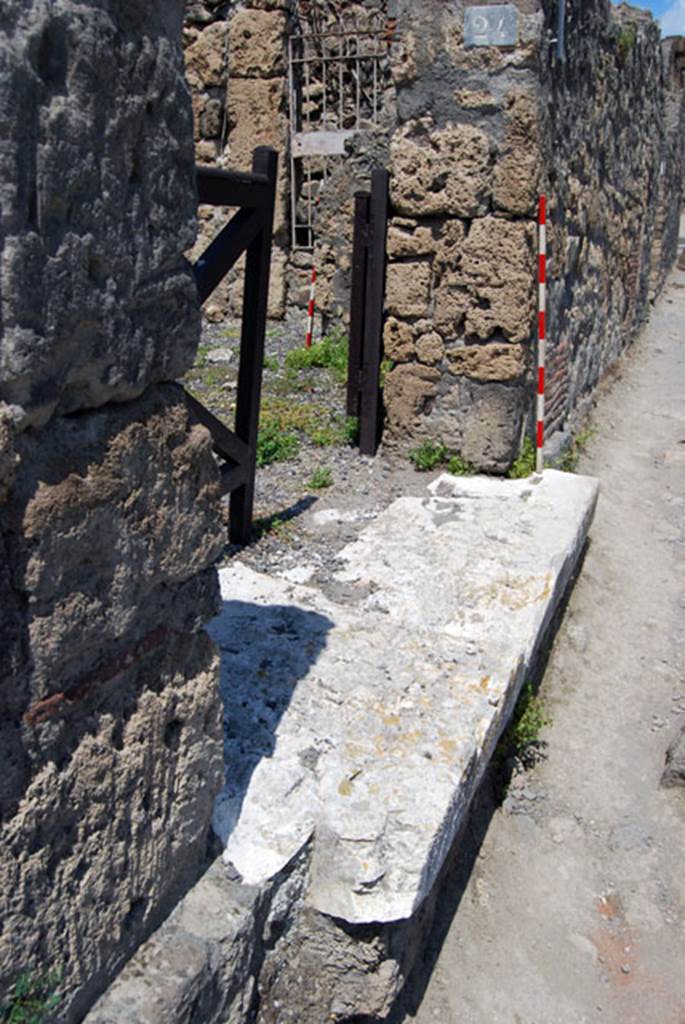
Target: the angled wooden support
(249, 231)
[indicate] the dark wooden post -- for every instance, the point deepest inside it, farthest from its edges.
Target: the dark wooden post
(362, 202)
(369, 421)
(257, 268)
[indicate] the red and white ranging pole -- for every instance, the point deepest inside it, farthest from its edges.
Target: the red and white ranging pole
(542, 281)
(310, 310)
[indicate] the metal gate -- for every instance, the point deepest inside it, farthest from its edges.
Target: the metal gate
(335, 78)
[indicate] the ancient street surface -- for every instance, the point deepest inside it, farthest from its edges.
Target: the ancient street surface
(569, 904)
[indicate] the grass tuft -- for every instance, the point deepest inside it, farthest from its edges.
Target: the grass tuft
(331, 353)
(428, 455)
(434, 453)
(321, 477)
(528, 721)
(525, 464)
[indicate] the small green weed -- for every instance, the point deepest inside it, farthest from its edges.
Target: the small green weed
(569, 460)
(525, 464)
(460, 467)
(321, 477)
(330, 353)
(274, 444)
(30, 998)
(428, 455)
(528, 721)
(434, 453)
(351, 430)
(271, 363)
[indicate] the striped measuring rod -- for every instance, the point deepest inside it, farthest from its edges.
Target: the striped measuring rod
(310, 310)
(542, 282)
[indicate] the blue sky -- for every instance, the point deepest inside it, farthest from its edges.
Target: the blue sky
(671, 14)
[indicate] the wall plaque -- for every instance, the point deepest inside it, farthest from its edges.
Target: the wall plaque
(491, 26)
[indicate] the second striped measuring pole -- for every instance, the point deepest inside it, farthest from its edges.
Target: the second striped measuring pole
(310, 310)
(542, 298)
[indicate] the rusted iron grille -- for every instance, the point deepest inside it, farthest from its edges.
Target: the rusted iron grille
(335, 89)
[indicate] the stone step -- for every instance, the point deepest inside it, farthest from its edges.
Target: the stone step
(358, 724)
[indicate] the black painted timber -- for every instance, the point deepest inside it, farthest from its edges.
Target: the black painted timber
(226, 249)
(255, 295)
(250, 230)
(362, 202)
(231, 188)
(366, 312)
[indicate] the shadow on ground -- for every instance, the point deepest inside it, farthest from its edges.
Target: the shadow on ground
(265, 651)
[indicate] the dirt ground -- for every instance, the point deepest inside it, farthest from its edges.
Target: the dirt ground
(566, 904)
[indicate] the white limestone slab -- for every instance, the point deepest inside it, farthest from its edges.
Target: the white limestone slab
(363, 727)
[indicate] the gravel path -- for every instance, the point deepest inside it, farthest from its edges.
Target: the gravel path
(567, 903)
(292, 516)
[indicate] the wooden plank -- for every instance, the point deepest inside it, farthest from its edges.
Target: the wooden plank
(370, 409)
(231, 188)
(257, 268)
(226, 444)
(226, 250)
(357, 300)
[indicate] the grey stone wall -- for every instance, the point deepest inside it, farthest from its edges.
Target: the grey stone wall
(110, 737)
(672, 165)
(604, 143)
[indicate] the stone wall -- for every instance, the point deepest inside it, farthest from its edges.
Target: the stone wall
(672, 166)
(472, 135)
(465, 169)
(110, 732)
(612, 211)
(235, 56)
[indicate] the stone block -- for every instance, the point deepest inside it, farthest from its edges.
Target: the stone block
(451, 235)
(98, 203)
(256, 118)
(406, 238)
(407, 289)
(516, 178)
(110, 749)
(117, 795)
(257, 42)
(491, 425)
(108, 525)
(440, 171)
(409, 390)
(452, 301)
(488, 362)
(398, 340)
(429, 348)
(498, 269)
(206, 58)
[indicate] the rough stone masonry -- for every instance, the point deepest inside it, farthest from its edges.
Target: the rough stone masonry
(110, 732)
(472, 134)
